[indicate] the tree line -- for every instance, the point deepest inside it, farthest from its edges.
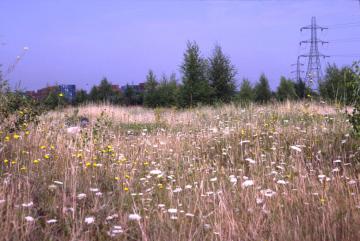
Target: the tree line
(204, 81)
(212, 80)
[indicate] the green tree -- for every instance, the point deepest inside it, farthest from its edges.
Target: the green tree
(101, 93)
(262, 90)
(168, 91)
(300, 89)
(132, 96)
(81, 97)
(55, 99)
(246, 93)
(151, 98)
(195, 88)
(337, 84)
(105, 93)
(354, 118)
(285, 90)
(93, 95)
(221, 75)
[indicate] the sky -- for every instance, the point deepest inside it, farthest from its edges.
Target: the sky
(80, 42)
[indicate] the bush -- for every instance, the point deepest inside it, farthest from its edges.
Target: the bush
(354, 118)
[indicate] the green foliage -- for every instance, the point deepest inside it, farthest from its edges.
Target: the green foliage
(163, 94)
(286, 90)
(300, 89)
(354, 118)
(54, 99)
(262, 90)
(81, 97)
(195, 89)
(338, 85)
(151, 97)
(132, 97)
(168, 92)
(105, 93)
(221, 75)
(246, 93)
(16, 109)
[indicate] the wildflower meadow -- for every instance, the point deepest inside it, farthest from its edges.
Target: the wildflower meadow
(285, 171)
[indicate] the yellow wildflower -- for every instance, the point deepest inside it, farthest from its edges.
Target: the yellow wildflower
(16, 136)
(6, 161)
(36, 161)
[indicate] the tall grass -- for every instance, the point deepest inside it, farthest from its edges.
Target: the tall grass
(278, 172)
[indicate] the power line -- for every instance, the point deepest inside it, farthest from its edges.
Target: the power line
(346, 55)
(345, 40)
(343, 24)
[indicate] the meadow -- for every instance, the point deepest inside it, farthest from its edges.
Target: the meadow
(286, 171)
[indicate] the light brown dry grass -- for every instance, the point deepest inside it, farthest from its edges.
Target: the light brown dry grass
(204, 155)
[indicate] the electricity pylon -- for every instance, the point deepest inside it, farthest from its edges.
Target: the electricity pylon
(313, 72)
(298, 70)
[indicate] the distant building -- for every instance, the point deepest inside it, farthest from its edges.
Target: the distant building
(140, 88)
(69, 92)
(116, 88)
(41, 94)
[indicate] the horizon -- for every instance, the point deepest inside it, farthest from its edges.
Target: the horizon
(81, 43)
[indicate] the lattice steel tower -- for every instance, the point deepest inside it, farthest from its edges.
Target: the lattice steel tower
(314, 72)
(298, 70)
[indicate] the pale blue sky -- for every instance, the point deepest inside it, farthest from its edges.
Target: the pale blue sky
(82, 41)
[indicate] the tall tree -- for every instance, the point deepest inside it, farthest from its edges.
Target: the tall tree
(221, 75)
(300, 89)
(195, 88)
(150, 95)
(262, 90)
(337, 85)
(285, 90)
(246, 93)
(105, 93)
(168, 91)
(81, 97)
(129, 95)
